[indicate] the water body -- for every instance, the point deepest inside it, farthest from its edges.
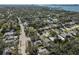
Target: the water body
(66, 7)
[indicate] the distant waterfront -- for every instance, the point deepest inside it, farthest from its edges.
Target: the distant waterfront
(67, 7)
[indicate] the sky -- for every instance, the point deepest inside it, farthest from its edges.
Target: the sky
(39, 1)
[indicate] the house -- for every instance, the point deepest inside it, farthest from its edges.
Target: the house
(7, 51)
(42, 51)
(25, 23)
(8, 34)
(9, 37)
(60, 37)
(64, 36)
(37, 43)
(52, 38)
(73, 33)
(45, 41)
(55, 20)
(0, 30)
(69, 24)
(46, 34)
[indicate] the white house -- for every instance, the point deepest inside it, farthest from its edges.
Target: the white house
(42, 51)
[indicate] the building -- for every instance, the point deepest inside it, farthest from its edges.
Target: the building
(37, 43)
(52, 38)
(42, 51)
(10, 37)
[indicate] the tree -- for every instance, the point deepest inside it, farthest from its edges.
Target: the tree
(2, 46)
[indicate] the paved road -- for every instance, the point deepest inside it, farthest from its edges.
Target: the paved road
(74, 27)
(23, 40)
